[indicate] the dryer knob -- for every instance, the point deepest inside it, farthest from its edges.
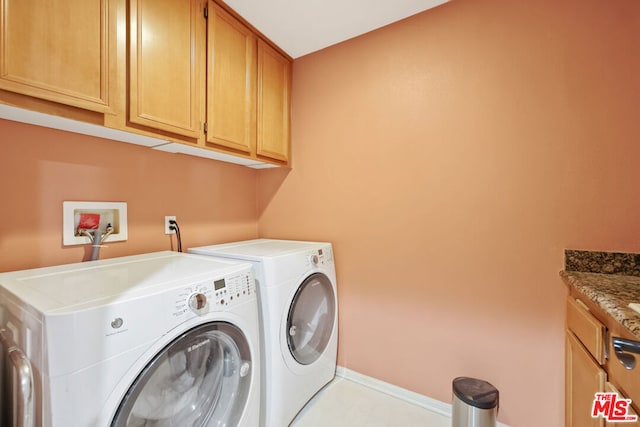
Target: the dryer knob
(313, 259)
(197, 302)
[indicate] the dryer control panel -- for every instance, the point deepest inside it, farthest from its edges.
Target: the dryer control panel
(320, 257)
(234, 289)
(216, 295)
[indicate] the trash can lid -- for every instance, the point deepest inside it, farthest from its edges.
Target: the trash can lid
(474, 392)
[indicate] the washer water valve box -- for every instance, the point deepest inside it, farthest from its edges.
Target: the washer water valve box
(79, 216)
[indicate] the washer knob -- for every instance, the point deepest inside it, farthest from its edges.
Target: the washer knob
(198, 302)
(313, 259)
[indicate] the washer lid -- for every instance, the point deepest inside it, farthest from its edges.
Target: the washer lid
(202, 378)
(311, 319)
(71, 287)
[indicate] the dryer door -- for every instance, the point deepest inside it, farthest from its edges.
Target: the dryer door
(311, 318)
(202, 378)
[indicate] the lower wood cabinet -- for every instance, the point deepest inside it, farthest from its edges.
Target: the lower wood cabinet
(583, 379)
(610, 388)
(592, 367)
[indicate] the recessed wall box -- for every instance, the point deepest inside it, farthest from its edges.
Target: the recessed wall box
(111, 213)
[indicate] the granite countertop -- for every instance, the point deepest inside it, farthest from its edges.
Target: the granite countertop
(611, 280)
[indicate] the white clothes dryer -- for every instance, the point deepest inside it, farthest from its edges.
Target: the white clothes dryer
(298, 302)
(162, 339)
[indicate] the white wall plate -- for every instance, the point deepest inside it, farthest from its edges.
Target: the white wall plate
(114, 213)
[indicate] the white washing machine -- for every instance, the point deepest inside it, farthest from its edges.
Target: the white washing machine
(162, 339)
(299, 313)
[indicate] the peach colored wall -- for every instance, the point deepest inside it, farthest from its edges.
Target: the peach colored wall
(40, 168)
(451, 158)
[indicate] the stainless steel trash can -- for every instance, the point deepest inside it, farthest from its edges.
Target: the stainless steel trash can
(475, 403)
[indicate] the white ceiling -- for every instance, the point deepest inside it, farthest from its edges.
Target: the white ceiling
(300, 27)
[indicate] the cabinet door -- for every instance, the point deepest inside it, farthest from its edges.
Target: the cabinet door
(59, 50)
(610, 388)
(274, 87)
(231, 82)
(166, 60)
(584, 378)
(589, 330)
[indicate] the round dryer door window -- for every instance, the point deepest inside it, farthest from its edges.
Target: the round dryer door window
(200, 379)
(310, 320)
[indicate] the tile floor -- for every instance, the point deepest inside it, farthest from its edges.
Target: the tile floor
(344, 403)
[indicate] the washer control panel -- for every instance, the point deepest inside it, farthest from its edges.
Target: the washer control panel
(215, 295)
(198, 302)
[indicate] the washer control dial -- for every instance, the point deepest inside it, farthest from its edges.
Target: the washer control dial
(198, 302)
(313, 259)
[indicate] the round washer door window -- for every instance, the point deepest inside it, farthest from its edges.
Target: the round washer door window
(310, 319)
(200, 379)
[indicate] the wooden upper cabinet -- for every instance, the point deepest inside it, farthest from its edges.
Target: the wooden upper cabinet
(59, 50)
(186, 71)
(166, 65)
(231, 82)
(274, 99)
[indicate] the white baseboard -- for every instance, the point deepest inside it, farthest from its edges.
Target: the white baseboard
(408, 396)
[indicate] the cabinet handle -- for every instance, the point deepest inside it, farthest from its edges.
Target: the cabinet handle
(24, 404)
(623, 349)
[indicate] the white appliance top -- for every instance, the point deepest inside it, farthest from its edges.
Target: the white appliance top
(258, 248)
(90, 284)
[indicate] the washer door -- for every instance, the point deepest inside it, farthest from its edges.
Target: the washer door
(311, 318)
(202, 378)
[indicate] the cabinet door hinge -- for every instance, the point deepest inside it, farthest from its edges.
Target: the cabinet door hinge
(206, 12)
(206, 127)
